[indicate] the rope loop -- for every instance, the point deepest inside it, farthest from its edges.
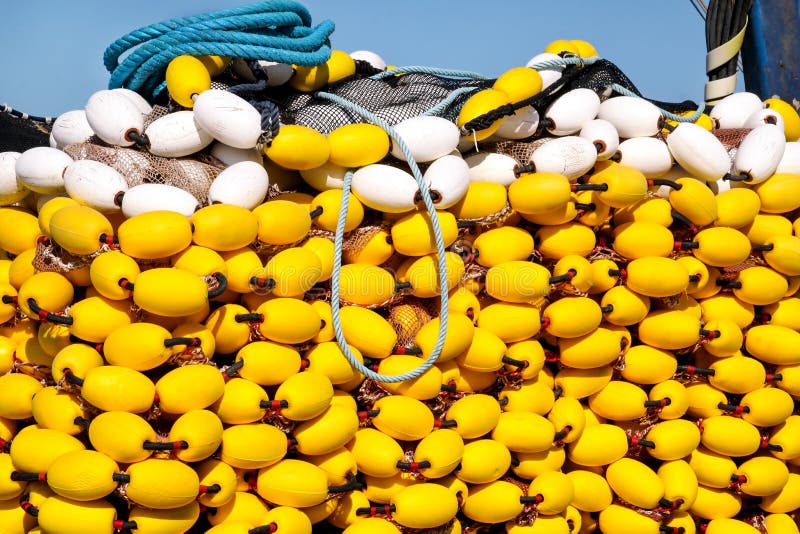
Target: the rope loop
(425, 193)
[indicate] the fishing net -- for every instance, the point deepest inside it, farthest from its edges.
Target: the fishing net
(18, 134)
(403, 96)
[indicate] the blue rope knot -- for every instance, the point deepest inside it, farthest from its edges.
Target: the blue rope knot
(273, 30)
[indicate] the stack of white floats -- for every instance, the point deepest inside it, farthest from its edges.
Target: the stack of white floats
(623, 332)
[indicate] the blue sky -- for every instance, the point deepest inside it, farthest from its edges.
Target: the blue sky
(52, 51)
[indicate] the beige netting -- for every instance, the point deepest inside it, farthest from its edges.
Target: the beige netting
(50, 257)
(519, 150)
(407, 318)
(192, 174)
(731, 138)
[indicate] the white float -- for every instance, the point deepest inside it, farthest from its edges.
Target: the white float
(571, 111)
(427, 138)
(764, 116)
(11, 189)
(71, 127)
(176, 135)
(138, 100)
(230, 155)
(370, 57)
(144, 198)
(760, 153)
(230, 119)
(603, 135)
(699, 152)
(549, 75)
(790, 161)
(448, 177)
(94, 184)
(649, 155)
(631, 116)
(41, 169)
(733, 110)
(385, 188)
(571, 156)
(491, 167)
(113, 116)
(523, 123)
(242, 184)
(324, 177)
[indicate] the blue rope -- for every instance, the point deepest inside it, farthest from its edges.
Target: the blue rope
(337, 255)
(442, 106)
(419, 69)
(664, 113)
(275, 30)
(563, 62)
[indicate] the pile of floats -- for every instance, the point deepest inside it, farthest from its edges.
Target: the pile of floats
(622, 349)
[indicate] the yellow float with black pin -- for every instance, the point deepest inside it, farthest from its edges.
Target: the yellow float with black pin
(327, 358)
(58, 410)
(494, 502)
(737, 207)
(327, 432)
(26, 230)
(243, 507)
(532, 395)
(252, 445)
(618, 519)
(369, 332)
(17, 393)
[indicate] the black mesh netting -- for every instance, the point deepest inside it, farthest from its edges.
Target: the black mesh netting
(396, 98)
(393, 99)
(18, 134)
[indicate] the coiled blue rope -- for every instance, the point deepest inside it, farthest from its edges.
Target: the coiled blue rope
(337, 255)
(274, 30)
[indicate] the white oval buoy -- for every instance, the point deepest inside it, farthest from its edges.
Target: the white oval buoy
(733, 110)
(491, 167)
(523, 123)
(631, 116)
(176, 135)
(699, 151)
(427, 137)
(41, 169)
(144, 198)
(571, 156)
(649, 155)
(277, 73)
(71, 127)
(550, 74)
(602, 135)
(448, 179)
(138, 100)
(230, 155)
(759, 153)
(11, 189)
(230, 119)
(370, 57)
(385, 188)
(764, 116)
(113, 117)
(94, 184)
(790, 161)
(243, 184)
(324, 177)
(571, 111)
